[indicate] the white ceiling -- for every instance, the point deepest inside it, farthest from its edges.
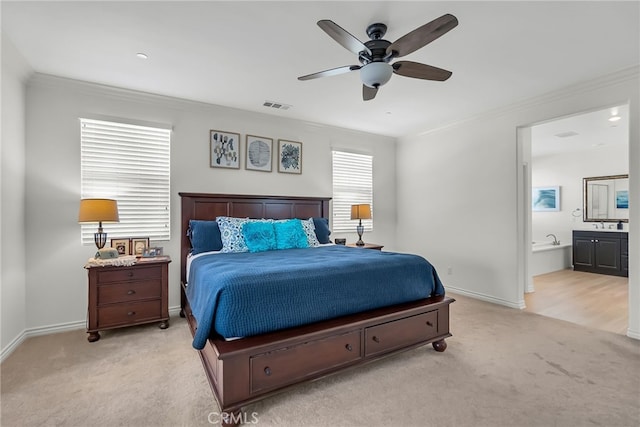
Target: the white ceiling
(586, 131)
(240, 53)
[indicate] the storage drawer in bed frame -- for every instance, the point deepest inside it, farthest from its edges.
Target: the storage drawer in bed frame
(247, 370)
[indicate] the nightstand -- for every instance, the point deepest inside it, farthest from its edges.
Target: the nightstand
(127, 296)
(366, 246)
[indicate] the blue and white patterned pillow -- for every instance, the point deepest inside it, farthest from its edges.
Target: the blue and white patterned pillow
(231, 234)
(310, 230)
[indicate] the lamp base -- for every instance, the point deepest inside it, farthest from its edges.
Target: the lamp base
(100, 239)
(360, 231)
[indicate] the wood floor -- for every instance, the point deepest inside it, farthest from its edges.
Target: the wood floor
(595, 300)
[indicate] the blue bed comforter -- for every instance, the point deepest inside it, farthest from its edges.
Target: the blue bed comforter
(244, 294)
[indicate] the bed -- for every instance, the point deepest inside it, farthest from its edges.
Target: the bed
(245, 370)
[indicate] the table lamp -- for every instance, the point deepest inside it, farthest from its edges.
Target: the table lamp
(98, 210)
(360, 212)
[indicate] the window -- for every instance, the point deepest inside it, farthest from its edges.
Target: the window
(352, 185)
(128, 163)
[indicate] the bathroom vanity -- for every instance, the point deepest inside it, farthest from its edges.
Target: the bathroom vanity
(604, 252)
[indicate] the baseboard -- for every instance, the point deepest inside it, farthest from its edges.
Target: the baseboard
(13, 345)
(174, 311)
(633, 334)
(53, 329)
(519, 305)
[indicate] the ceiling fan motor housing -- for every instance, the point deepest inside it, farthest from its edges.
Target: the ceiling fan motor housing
(376, 70)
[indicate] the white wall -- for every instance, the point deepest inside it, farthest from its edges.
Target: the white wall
(57, 283)
(567, 170)
(12, 197)
(458, 201)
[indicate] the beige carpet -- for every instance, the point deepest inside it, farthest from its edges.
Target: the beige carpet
(503, 367)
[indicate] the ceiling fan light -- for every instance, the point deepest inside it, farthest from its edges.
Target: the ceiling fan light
(375, 74)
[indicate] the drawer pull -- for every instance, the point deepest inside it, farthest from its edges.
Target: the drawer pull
(130, 274)
(376, 339)
(429, 323)
(267, 371)
(131, 313)
(131, 292)
(348, 347)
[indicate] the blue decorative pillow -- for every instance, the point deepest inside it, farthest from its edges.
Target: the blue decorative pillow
(322, 229)
(310, 230)
(259, 236)
(231, 234)
(204, 235)
(290, 235)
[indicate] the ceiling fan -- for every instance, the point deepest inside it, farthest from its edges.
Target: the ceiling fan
(376, 54)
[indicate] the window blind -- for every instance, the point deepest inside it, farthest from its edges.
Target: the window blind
(352, 185)
(130, 164)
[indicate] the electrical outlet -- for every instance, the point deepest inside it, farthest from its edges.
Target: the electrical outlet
(449, 271)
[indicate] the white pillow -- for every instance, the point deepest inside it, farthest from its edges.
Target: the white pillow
(231, 234)
(310, 230)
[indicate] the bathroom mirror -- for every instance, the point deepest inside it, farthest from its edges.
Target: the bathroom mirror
(606, 198)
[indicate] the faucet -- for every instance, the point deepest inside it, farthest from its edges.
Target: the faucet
(555, 240)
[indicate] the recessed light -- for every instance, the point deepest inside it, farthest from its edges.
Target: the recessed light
(614, 118)
(142, 55)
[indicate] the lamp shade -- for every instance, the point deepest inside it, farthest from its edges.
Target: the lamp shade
(361, 211)
(98, 210)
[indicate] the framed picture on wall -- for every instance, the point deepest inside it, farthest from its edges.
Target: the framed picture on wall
(289, 156)
(545, 199)
(224, 149)
(259, 153)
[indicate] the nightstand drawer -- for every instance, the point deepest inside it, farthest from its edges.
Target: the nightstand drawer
(129, 314)
(129, 291)
(124, 274)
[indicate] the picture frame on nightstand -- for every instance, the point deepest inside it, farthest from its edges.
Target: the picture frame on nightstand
(123, 246)
(152, 252)
(139, 245)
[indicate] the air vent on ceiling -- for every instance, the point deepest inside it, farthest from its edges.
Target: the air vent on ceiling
(566, 134)
(278, 105)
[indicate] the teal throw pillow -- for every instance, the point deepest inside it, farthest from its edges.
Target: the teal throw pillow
(259, 236)
(290, 234)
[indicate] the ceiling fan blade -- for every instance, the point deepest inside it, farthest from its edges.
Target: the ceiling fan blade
(368, 93)
(343, 37)
(420, 71)
(331, 72)
(422, 36)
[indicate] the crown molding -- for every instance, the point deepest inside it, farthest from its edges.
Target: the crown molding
(612, 79)
(130, 95)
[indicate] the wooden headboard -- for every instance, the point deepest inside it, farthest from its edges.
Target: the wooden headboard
(209, 206)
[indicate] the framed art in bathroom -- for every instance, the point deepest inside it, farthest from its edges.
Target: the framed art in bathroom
(545, 199)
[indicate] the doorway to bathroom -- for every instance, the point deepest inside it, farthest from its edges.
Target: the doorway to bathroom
(557, 155)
